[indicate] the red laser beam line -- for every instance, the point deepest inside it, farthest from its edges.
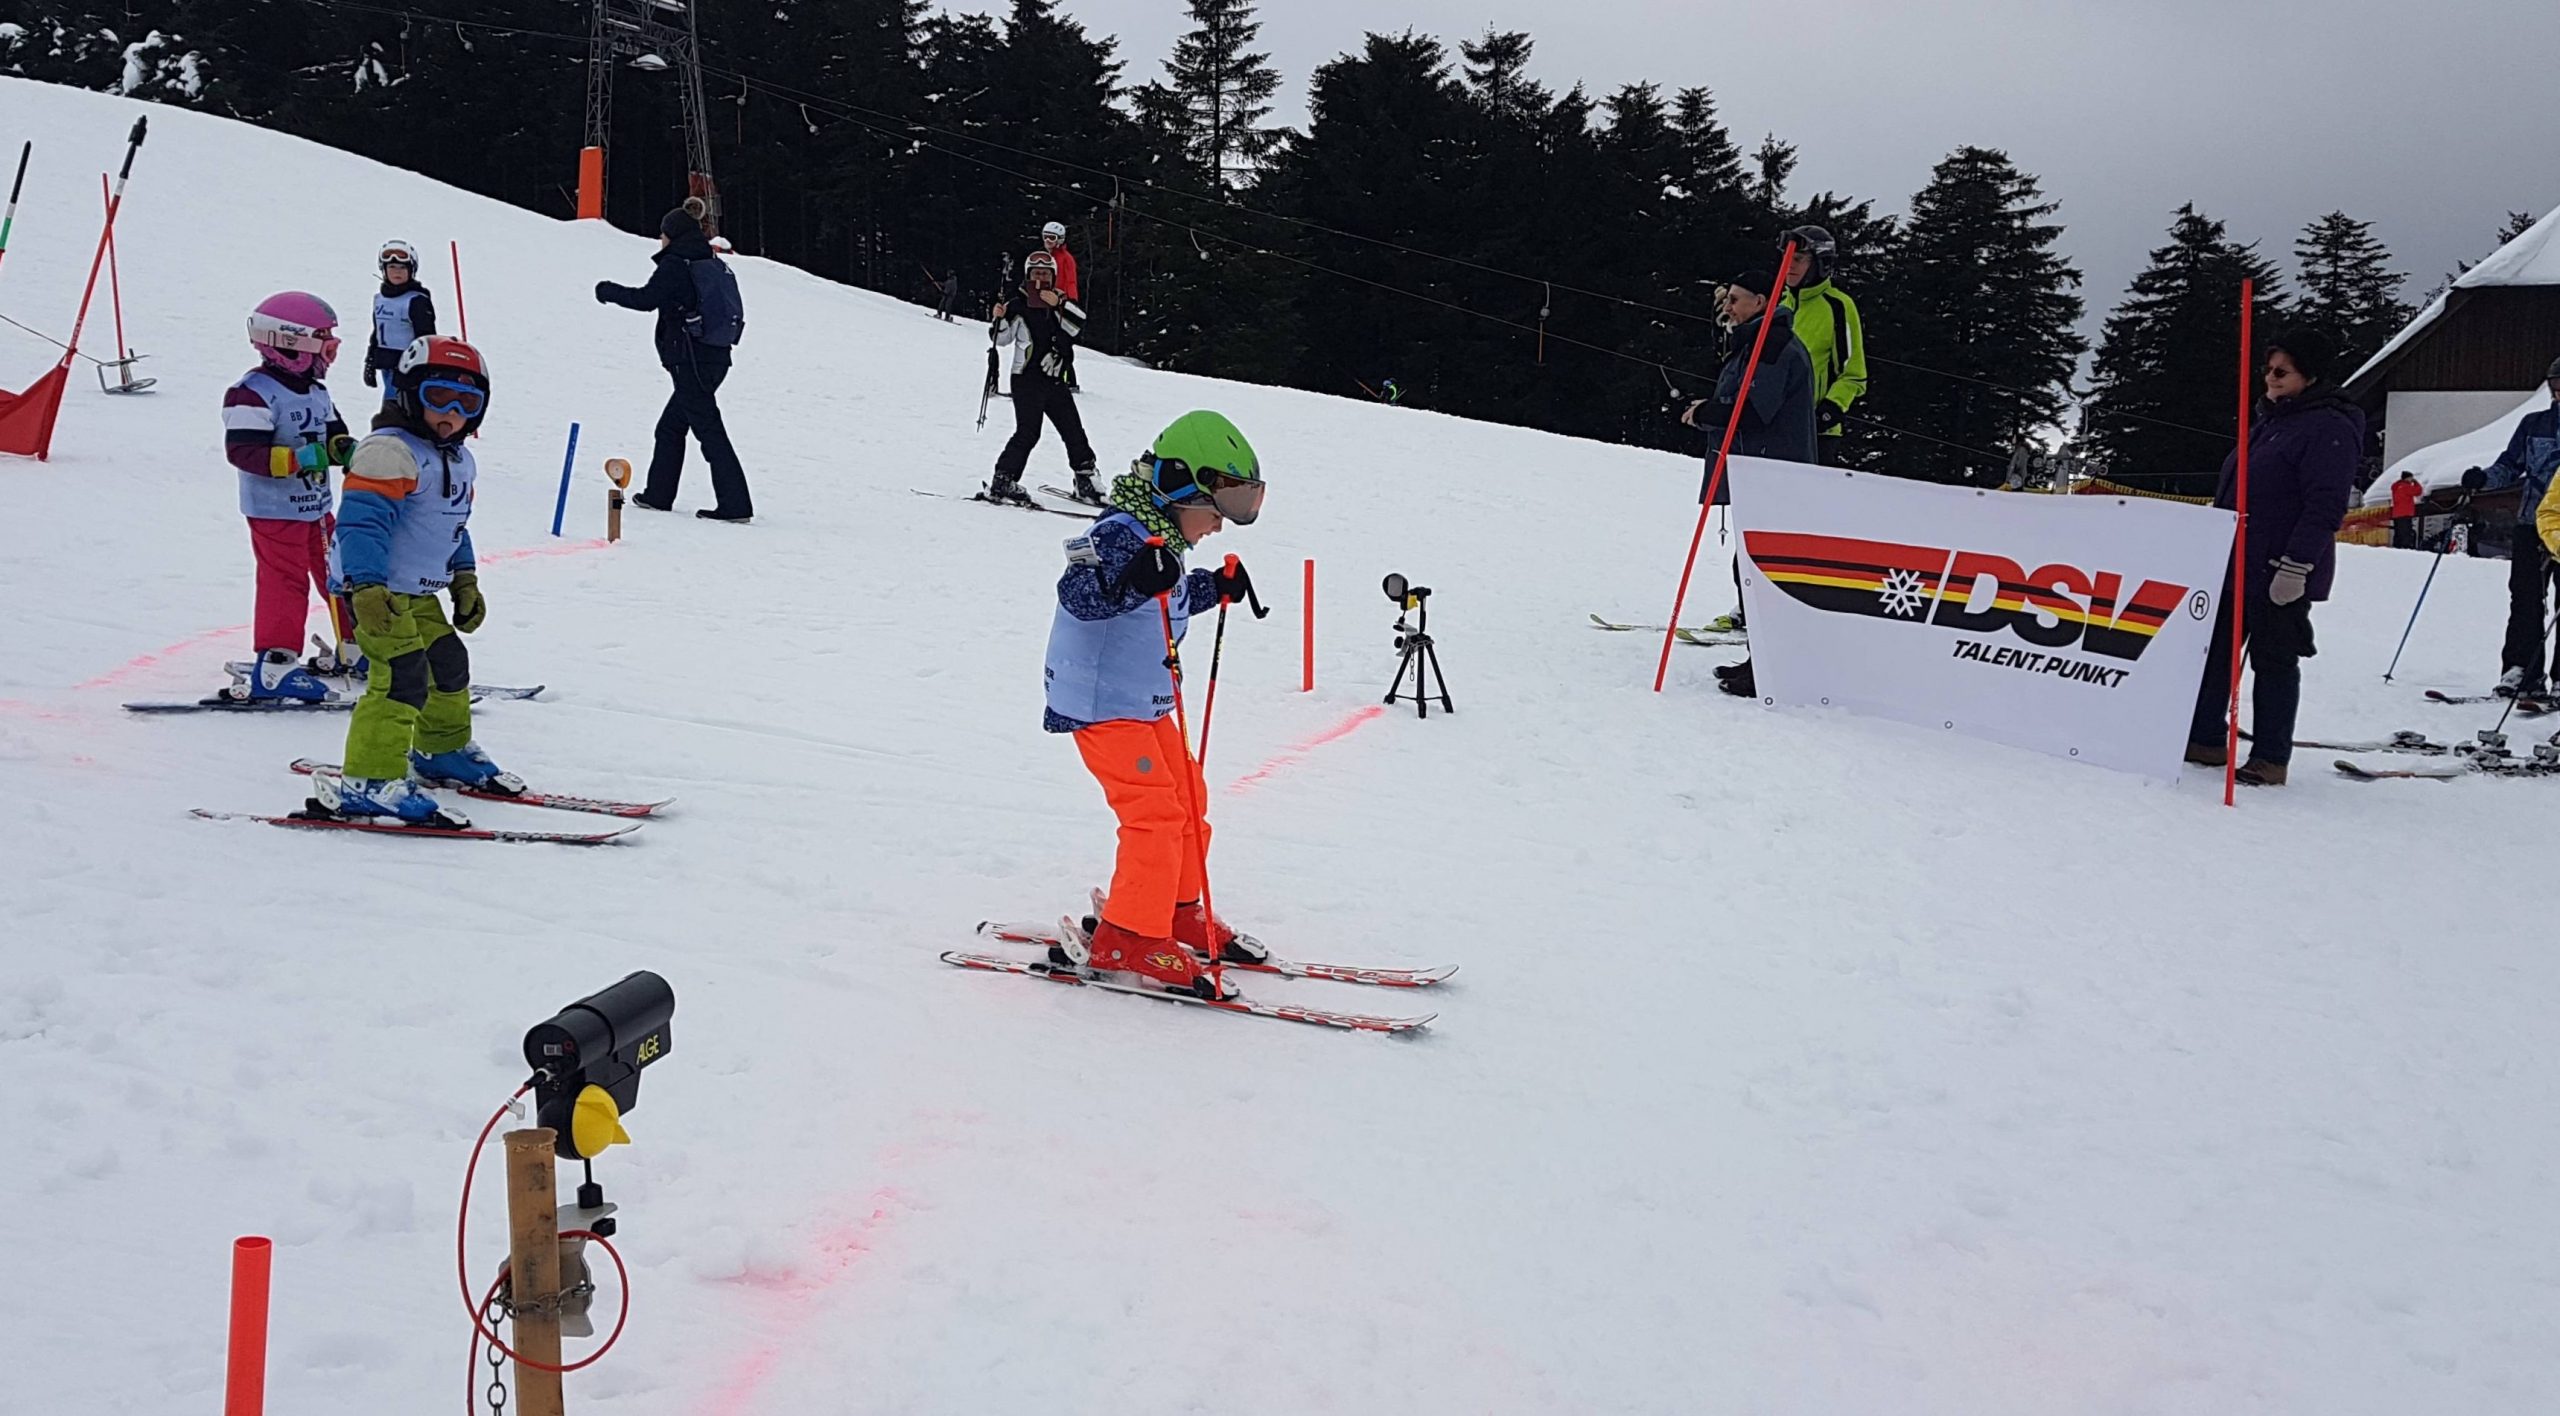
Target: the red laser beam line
(1297, 752)
(792, 1303)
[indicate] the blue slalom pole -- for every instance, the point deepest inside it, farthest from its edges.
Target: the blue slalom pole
(2413, 613)
(568, 463)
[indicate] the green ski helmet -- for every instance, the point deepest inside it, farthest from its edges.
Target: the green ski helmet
(1201, 455)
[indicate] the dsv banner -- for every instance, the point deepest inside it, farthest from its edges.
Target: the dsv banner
(2071, 625)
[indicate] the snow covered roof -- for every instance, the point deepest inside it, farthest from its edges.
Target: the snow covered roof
(2531, 259)
(2442, 464)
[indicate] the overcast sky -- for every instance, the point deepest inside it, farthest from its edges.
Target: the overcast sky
(2430, 120)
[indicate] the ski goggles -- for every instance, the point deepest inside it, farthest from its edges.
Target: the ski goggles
(302, 339)
(453, 396)
(402, 259)
(1238, 499)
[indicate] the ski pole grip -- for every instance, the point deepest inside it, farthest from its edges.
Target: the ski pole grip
(1252, 600)
(132, 145)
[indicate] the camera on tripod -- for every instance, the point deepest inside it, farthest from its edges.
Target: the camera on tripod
(1413, 641)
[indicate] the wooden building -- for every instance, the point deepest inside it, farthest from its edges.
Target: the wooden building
(2472, 352)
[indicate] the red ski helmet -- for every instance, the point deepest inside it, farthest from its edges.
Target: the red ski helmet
(442, 372)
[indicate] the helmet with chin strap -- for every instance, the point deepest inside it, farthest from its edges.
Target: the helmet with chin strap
(1201, 456)
(441, 372)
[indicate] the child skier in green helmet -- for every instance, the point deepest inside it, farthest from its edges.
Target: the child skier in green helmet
(1111, 685)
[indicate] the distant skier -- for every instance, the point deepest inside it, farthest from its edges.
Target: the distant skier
(693, 342)
(949, 286)
(404, 535)
(282, 433)
(1109, 684)
(1835, 340)
(403, 312)
(1041, 324)
(1777, 421)
(2530, 463)
(2405, 494)
(1053, 239)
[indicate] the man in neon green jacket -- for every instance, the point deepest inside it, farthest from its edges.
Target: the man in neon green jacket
(1826, 320)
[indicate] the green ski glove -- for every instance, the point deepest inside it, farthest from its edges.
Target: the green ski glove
(469, 610)
(372, 604)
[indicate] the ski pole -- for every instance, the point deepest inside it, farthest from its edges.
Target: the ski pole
(1217, 650)
(1191, 803)
(2413, 612)
(115, 203)
(9, 218)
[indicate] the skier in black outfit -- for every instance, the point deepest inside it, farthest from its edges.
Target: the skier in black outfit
(696, 367)
(1041, 326)
(1778, 421)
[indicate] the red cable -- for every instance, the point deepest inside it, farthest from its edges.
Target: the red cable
(462, 1271)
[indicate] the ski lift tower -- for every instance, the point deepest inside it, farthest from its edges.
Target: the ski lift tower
(653, 36)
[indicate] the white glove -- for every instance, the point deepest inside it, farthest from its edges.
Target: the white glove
(2292, 582)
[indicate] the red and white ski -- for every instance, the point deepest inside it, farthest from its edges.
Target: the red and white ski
(1319, 1017)
(312, 820)
(1046, 934)
(597, 806)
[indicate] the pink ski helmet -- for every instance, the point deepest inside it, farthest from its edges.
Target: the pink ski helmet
(296, 332)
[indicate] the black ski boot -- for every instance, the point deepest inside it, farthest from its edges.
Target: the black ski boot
(1085, 491)
(1006, 491)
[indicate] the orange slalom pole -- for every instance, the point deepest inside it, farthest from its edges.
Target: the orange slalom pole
(1715, 478)
(244, 1382)
(460, 311)
(2240, 549)
(1191, 804)
(1307, 636)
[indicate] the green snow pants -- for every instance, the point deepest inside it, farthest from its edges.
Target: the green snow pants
(416, 694)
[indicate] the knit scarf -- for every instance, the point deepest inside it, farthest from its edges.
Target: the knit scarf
(1132, 493)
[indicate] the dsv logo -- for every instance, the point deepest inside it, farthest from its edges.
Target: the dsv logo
(2051, 606)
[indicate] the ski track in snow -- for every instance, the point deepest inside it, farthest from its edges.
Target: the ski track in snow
(1798, 1065)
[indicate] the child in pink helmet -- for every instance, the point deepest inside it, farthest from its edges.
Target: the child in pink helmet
(282, 434)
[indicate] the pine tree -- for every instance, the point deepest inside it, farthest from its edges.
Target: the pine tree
(1226, 90)
(1973, 288)
(2166, 407)
(2349, 291)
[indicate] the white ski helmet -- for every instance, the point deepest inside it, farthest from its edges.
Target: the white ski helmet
(398, 253)
(1055, 228)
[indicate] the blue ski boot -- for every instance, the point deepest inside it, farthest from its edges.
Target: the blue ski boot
(395, 797)
(276, 675)
(465, 766)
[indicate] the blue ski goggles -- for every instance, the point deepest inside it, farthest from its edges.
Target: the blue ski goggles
(453, 396)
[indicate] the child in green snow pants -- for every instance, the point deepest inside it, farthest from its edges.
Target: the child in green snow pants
(418, 693)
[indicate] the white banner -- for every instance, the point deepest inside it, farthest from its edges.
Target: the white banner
(2071, 625)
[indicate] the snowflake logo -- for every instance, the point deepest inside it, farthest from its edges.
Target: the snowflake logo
(1901, 593)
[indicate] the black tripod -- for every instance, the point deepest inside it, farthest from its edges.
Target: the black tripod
(1421, 658)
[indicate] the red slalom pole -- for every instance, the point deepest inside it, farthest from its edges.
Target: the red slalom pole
(244, 1377)
(1715, 478)
(460, 311)
(1190, 766)
(115, 281)
(2240, 547)
(115, 203)
(1307, 636)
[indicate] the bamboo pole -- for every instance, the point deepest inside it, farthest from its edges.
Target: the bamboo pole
(533, 1221)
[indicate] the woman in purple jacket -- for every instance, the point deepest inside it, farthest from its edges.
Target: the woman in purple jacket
(2304, 441)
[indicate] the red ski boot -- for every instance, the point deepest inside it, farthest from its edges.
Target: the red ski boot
(1211, 939)
(1163, 961)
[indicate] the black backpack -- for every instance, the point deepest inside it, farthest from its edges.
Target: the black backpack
(719, 316)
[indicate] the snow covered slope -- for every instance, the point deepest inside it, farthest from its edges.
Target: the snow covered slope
(1799, 1064)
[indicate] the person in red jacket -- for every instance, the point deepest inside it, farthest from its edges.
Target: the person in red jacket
(1054, 236)
(2404, 511)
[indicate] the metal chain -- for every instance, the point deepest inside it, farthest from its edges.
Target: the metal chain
(495, 1314)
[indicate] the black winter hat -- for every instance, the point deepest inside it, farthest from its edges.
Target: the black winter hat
(2553, 374)
(1755, 281)
(684, 219)
(2310, 351)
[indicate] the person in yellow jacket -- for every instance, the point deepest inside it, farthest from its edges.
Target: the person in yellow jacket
(1826, 321)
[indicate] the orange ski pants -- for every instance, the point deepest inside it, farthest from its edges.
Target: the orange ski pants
(1141, 766)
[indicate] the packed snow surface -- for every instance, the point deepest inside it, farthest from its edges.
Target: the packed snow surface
(1799, 1064)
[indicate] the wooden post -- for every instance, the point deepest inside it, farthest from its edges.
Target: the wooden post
(533, 1219)
(618, 472)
